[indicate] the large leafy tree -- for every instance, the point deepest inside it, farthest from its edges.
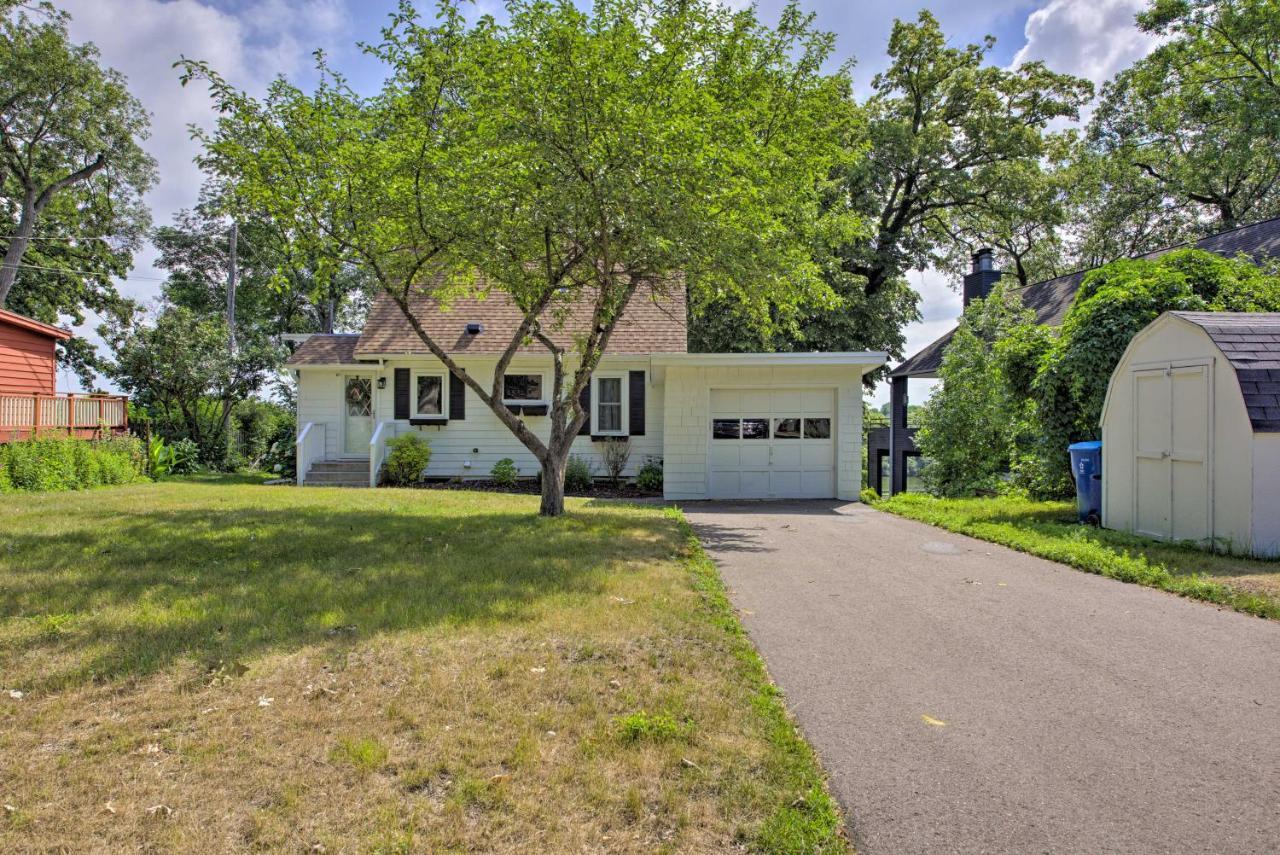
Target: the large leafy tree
(944, 128)
(178, 367)
(947, 148)
(561, 157)
(1200, 116)
(277, 290)
(72, 171)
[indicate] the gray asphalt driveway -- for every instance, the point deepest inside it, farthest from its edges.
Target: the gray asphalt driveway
(968, 698)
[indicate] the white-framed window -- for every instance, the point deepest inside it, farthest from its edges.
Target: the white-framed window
(609, 404)
(428, 394)
(523, 388)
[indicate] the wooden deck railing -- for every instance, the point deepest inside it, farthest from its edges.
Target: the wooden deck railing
(22, 416)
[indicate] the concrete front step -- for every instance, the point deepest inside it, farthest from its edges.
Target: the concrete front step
(338, 473)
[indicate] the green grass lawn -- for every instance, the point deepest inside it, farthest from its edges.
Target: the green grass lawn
(213, 664)
(1050, 530)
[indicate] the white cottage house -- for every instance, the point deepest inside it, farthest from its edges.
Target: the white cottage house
(724, 425)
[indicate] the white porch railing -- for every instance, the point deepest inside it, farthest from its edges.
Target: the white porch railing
(309, 448)
(378, 449)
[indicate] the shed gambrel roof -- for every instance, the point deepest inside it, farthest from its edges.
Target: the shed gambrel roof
(1051, 298)
(1251, 343)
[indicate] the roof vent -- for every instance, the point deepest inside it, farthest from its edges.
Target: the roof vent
(475, 329)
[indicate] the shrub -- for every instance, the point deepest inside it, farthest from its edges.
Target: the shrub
(407, 459)
(186, 456)
(869, 496)
(504, 472)
(62, 463)
(616, 454)
(649, 478)
(577, 474)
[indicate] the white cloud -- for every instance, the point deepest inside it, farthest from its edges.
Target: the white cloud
(1089, 38)
(143, 38)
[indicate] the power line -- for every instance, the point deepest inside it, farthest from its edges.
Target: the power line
(126, 277)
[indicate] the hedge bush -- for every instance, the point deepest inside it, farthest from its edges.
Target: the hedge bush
(407, 459)
(49, 463)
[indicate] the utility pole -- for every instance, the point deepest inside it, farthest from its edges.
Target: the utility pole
(232, 274)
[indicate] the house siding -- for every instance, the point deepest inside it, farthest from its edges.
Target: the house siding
(685, 419)
(480, 439)
(27, 362)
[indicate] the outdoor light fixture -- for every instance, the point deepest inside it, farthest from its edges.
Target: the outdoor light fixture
(382, 382)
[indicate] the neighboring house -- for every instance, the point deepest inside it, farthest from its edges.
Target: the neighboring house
(1191, 429)
(1050, 300)
(29, 402)
(753, 425)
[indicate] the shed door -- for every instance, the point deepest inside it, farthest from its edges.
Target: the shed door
(772, 444)
(1172, 408)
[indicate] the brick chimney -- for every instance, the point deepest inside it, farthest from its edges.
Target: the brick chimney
(978, 284)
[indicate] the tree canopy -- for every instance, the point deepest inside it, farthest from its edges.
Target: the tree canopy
(72, 175)
(946, 152)
(1200, 116)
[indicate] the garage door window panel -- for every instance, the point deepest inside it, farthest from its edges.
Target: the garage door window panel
(817, 428)
(726, 429)
(755, 428)
(786, 429)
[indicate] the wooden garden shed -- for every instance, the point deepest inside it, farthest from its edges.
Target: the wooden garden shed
(1191, 432)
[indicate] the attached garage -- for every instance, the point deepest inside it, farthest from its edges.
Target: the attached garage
(763, 425)
(1191, 432)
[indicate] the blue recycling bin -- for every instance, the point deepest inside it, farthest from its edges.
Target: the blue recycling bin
(1086, 466)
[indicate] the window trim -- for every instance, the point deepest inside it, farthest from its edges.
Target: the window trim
(625, 420)
(443, 376)
(542, 378)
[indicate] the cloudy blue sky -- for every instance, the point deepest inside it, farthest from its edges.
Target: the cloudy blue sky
(252, 41)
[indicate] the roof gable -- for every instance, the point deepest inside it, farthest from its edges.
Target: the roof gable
(13, 319)
(1052, 298)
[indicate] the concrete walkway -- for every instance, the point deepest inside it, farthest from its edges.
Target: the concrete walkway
(968, 698)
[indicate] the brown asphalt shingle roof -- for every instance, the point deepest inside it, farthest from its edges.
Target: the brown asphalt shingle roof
(651, 324)
(1251, 343)
(1051, 298)
(326, 349)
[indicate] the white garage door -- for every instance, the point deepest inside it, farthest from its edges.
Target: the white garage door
(772, 444)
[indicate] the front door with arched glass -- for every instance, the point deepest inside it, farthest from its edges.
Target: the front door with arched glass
(357, 398)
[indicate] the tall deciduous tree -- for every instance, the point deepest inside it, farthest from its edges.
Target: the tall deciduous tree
(1200, 116)
(68, 128)
(564, 156)
(934, 152)
(942, 128)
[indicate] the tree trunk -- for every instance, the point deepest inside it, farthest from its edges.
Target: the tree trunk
(552, 487)
(17, 248)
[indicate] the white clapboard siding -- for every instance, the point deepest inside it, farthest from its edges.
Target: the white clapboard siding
(480, 439)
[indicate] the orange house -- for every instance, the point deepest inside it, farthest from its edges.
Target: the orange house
(29, 402)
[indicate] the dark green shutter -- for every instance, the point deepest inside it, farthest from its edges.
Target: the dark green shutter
(402, 393)
(457, 398)
(636, 394)
(585, 400)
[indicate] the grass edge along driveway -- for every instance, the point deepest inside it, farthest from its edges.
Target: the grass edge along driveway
(208, 665)
(1048, 530)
